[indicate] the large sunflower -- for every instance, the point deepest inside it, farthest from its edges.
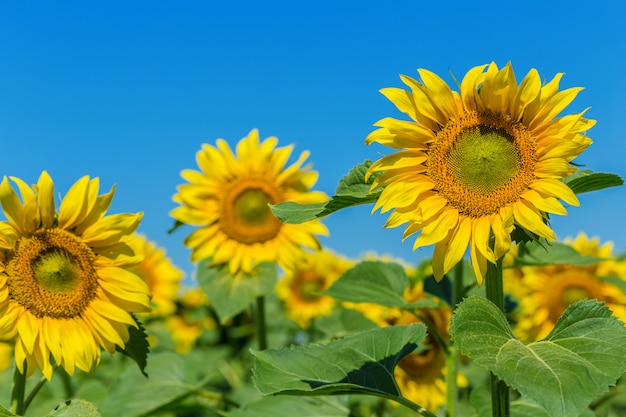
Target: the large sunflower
(65, 291)
(544, 292)
(300, 288)
(228, 199)
(476, 164)
(159, 273)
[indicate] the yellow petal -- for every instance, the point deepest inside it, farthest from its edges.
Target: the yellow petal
(555, 188)
(11, 205)
(45, 197)
(546, 204)
(74, 204)
(530, 219)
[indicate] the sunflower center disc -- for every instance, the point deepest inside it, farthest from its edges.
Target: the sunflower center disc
(246, 216)
(484, 159)
(52, 274)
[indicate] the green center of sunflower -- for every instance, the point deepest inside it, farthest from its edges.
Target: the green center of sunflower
(484, 159)
(251, 207)
(310, 284)
(482, 162)
(569, 286)
(245, 215)
(573, 294)
(52, 274)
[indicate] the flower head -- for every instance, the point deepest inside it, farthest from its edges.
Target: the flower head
(156, 269)
(228, 199)
(476, 164)
(300, 288)
(65, 288)
(191, 320)
(544, 292)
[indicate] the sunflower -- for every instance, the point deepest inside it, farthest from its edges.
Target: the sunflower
(300, 287)
(160, 274)
(544, 292)
(228, 199)
(421, 376)
(65, 288)
(478, 163)
(190, 321)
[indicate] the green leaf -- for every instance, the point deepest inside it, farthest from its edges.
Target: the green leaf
(586, 181)
(230, 295)
(75, 408)
(351, 191)
(375, 282)
(6, 413)
(137, 347)
(578, 360)
(360, 363)
(291, 406)
(135, 396)
(551, 253)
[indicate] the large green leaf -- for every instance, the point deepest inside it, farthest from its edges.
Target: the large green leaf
(230, 295)
(375, 282)
(581, 357)
(351, 191)
(291, 406)
(585, 181)
(551, 253)
(360, 363)
(75, 408)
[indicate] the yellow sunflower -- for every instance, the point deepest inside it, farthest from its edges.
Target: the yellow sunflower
(421, 376)
(65, 288)
(544, 292)
(159, 273)
(190, 321)
(478, 163)
(228, 199)
(300, 287)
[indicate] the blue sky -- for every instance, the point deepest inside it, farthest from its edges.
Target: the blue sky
(128, 91)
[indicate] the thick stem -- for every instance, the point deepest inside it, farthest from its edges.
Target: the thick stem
(452, 355)
(18, 391)
(261, 332)
(500, 403)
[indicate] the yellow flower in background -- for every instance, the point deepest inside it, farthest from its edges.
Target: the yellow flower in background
(190, 321)
(478, 163)
(159, 273)
(544, 292)
(228, 199)
(300, 287)
(421, 376)
(6, 355)
(65, 288)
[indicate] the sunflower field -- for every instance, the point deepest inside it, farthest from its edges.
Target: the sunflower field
(504, 320)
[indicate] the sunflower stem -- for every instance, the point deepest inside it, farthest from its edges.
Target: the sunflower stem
(261, 333)
(18, 391)
(34, 392)
(500, 403)
(452, 355)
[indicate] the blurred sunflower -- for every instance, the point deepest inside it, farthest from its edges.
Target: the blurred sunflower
(478, 163)
(6, 355)
(190, 321)
(159, 273)
(421, 376)
(228, 199)
(300, 287)
(544, 292)
(65, 288)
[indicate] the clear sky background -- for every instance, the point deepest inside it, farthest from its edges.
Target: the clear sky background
(129, 90)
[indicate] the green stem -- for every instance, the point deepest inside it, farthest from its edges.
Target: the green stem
(67, 384)
(34, 392)
(18, 391)
(415, 407)
(500, 403)
(261, 333)
(452, 356)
